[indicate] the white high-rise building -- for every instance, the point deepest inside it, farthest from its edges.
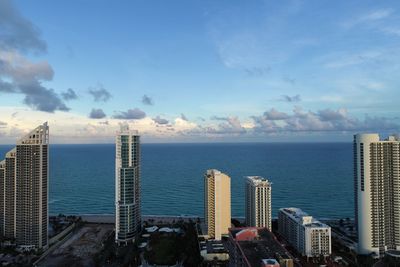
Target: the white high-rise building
(217, 203)
(308, 236)
(127, 186)
(258, 202)
(24, 176)
(377, 193)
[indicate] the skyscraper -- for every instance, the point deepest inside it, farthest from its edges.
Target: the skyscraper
(377, 193)
(127, 186)
(217, 203)
(258, 202)
(2, 183)
(24, 175)
(9, 194)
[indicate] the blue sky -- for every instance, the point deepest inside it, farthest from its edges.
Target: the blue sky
(200, 71)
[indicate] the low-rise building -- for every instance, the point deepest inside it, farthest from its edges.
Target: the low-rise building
(307, 235)
(214, 251)
(253, 246)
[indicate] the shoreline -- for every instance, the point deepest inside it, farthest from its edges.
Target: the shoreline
(110, 218)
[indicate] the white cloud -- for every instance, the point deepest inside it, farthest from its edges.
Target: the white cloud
(369, 17)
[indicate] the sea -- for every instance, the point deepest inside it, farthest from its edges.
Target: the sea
(316, 177)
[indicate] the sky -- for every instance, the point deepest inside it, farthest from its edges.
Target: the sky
(199, 71)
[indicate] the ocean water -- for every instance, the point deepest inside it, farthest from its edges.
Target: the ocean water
(316, 177)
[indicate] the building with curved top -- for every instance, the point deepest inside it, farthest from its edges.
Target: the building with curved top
(377, 193)
(127, 186)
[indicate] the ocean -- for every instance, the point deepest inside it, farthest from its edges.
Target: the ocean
(316, 177)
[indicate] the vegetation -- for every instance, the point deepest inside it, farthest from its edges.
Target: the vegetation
(114, 255)
(169, 248)
(164, 249)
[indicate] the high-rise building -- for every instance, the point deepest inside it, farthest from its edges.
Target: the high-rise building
(9, 194)
(377, 193)
(24, 175)
(217, 203)
(258, 202)
(127, 186)
(308, 236)
(2, 183)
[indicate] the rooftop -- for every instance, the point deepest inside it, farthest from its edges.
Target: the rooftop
(213, 246)
(266, 246)
(303, 217)
(258, 180)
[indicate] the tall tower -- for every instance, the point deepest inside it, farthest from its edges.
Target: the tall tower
(217, 203)
(2, 184)
(258, 202)
(24, 176)
(127, 186)
(377, 193)
(9, 193)
(31, 195)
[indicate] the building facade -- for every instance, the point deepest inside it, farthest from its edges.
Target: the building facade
(377, 193)
(258, 202)
(307, 235)
(217, 203)
(127, 186)
(24, 175)
(2, 195)
(9, 194)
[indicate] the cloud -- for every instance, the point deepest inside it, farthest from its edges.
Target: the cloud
(273, 114)
(376, 15)
(100, 94)
(392, 30)
(147, 100)
(16, 32)
(6, 87)
(290, 99)
(183, 117)
(26, 78)
(230, 125)
(97, 114)
(332, 115)
(41, 98)
(326, 120)
(159, 120)
(131, 114)
(3, 124)
(370, 17)
(218, 118)
(69, 95)
(18, 74)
